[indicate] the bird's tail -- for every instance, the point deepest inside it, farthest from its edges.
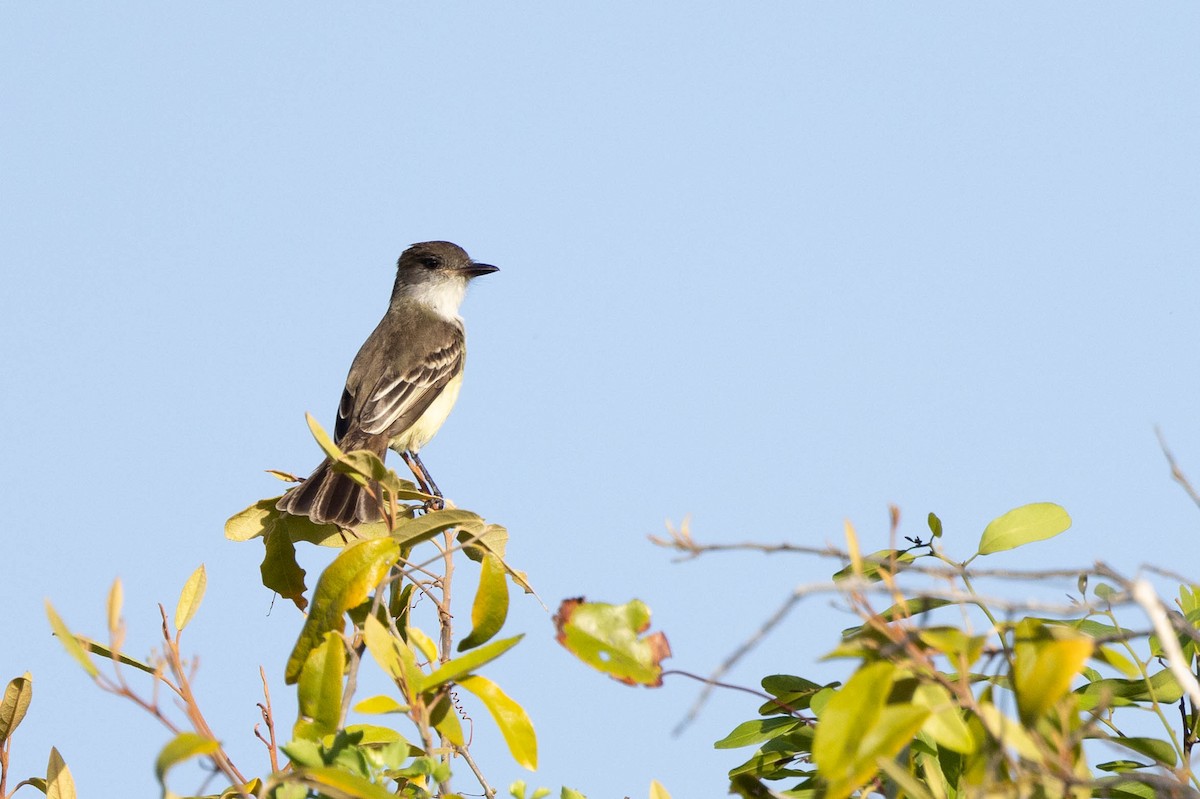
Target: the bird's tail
(329, 497)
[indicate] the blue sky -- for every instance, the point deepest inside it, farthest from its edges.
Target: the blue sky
(772, 265)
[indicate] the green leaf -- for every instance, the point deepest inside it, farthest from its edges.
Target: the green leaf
(791, 694)
(190, 597)
(452, 670)
(1024, 525)
(303, 752)
(606, 638)
(59, 782)
(1161, 687)
(756, 731)
(17, 696)
(99, 649)
(1123, 788)
(935, 525)
(491, 604)
(913, 787)
(326, 444)
(183, 746)
(893, 561)
(902, 610)
(1045, 661)
(280, 571)
(509, 716)
(69, 642)
(1121, 766)
(570, 793)
(320, 688)
(378, 705)
(858, 727)
(346, 583)
(348, 784)
(411, 532)
(493, 538)
(1160, 751)
(780, 684)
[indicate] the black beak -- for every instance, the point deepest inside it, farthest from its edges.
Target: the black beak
(474, 269)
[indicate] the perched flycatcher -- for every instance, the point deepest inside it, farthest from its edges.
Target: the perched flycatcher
(402, 384)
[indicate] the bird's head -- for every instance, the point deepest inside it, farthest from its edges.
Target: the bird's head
(435, 274)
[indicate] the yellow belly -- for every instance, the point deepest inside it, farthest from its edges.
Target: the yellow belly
(425, 428)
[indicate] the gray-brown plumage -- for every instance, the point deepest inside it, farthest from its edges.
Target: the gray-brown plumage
(402, 384)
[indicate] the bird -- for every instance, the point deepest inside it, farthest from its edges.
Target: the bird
(401, 386)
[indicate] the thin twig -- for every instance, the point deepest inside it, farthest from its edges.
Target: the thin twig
(219, 757)
(269, 719)
(488, 790)
(737, 655)
(1176, 472)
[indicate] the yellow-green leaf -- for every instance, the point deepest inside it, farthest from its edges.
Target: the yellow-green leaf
(423, 643)
(1111, 657)
(183, 746)
(116, 596)
(253, 521)
(374, 734)
(320, 688)
(349, 785)
(17, 696)
(1035, 522)
(606, 638)
(509, 716)
(59, 782)
(1007, 731)
(756, 731)
(190, 597)
(945, 724)
(326, 444)
(1045, 661)
(393, 656)
(452, 670)
(67, 639)
(445, 720)
(378, 705)
(491, 604)
(657, 791)
(344, 584)
(858, 727)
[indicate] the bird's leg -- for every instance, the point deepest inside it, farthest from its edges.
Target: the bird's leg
(424, 480)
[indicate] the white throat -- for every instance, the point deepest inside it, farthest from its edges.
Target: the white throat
(442, 297)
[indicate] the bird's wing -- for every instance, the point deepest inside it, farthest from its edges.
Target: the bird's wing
(396, 400)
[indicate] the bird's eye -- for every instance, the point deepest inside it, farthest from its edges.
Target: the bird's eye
(430, 261)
